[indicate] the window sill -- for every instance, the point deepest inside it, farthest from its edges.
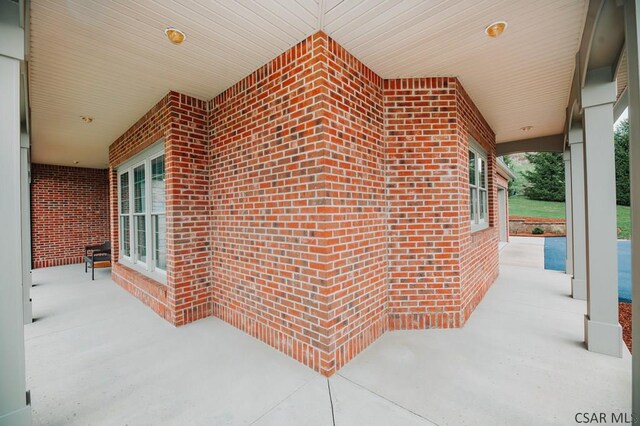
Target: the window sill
(156, 276)
(479, 227)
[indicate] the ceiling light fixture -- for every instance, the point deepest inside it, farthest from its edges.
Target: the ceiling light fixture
(496, 29)
(175, 36)
(526, 128)
(86, 119)
(76, 162)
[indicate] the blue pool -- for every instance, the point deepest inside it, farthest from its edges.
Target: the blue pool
(555, 252)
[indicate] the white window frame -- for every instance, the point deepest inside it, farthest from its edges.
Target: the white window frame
(478, 223)
(147, 268)
(121, 215)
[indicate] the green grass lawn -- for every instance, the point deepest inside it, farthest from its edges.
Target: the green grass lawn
(624, 222)
(522, 206)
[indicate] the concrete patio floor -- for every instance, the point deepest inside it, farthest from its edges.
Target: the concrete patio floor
(97, 356)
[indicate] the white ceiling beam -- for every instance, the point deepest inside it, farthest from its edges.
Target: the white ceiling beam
(621, 104)
(553, 143)
(322, 11)
(619, 61)
(593, 13)
(582, 59)
(587, 49)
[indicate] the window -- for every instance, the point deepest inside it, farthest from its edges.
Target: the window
(478, 185)
(158, 216)
(125, 237)
(143, 222)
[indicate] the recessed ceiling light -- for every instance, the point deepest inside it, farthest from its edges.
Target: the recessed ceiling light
(496, 29)
(526, 128)
(175, 36)
(76, 162)
(86, 119)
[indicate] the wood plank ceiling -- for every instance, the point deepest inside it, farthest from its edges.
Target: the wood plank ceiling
(110, 60)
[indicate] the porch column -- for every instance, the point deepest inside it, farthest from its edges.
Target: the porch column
(578, 217)
(568, 221)
(603, 333)
(632, 18)
(25, 206)
(14, 404)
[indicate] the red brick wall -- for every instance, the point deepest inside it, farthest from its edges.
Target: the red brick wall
(182, 122)
(188, 209)
(355, 229)
(314, 205)
(438, 269)
(478, 250)
(298, 204)
(266, 150)
(70, 209)
(425, 211)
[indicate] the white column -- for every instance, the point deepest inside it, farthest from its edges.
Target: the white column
(578, 217)
(603, 333)
(14, 407)
(25, 205)
(568, 221)
(632, 18)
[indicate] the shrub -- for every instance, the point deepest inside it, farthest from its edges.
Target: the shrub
(623, 187)
(537, 231)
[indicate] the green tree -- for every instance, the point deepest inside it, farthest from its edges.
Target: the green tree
(623, 190)
(546, 180)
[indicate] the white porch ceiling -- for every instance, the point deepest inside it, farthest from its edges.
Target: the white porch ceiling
(110, 59)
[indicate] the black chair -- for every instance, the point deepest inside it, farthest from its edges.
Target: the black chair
(96, 254)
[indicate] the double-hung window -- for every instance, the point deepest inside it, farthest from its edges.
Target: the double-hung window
(142, 217)
(478, 187)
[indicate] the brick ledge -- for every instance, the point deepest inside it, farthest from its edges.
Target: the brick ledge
(149, 291)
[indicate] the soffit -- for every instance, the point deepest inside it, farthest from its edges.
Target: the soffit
(622, 75)
(110, 60)
(519, 79)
